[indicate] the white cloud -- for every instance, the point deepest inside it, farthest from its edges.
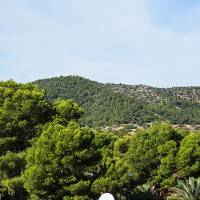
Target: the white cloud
(104, 40)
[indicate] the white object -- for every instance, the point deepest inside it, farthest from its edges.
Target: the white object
(106, 196)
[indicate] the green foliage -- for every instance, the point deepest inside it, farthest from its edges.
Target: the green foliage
(67, 111)
(64, 162)
(117, 175)
(76, 198)
(144, 192)
(11, 164)
(108, 104)
(188, 157)
(186, 190)
(45, 154)
(12, 188)
(24, 112)
(152, 153)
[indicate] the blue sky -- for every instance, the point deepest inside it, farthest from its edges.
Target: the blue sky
(153, 42)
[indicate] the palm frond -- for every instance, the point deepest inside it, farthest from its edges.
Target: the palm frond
(186, 190)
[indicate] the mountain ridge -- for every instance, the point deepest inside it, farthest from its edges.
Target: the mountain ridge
(108, 103)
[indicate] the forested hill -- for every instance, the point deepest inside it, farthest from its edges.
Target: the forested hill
(108, 104)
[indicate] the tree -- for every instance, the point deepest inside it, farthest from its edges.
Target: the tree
(188, 157)
(117, 176)
(151, 154)
(23, 113)
(23, 110)
(64, 162)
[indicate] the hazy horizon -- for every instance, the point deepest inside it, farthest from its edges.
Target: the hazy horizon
(104, 82)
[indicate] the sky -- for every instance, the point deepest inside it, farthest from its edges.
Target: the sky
(152, 42)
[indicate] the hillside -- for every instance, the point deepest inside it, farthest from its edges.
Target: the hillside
(108, 104)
